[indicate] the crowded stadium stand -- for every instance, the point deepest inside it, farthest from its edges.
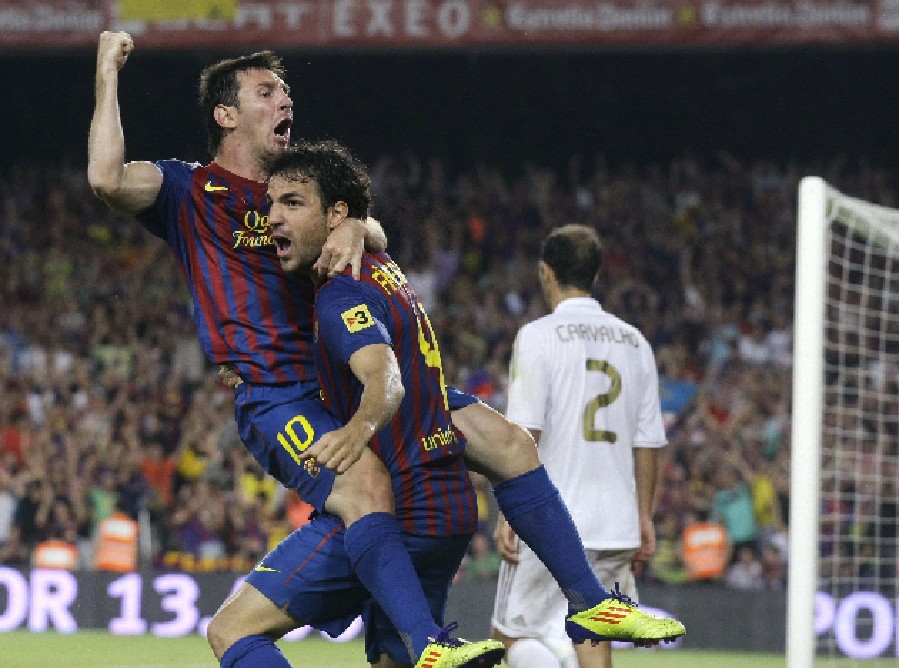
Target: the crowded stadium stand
(108, 405)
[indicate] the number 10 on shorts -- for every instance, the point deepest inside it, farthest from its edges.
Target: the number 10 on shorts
(293, 443)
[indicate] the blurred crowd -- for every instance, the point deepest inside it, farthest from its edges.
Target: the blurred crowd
(107, 405)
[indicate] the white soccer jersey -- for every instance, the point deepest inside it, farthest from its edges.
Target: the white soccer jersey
(588, 381)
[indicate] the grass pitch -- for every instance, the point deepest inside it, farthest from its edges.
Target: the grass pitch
(97, 649)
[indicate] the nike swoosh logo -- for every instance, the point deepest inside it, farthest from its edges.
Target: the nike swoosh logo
(211, 188)
(266, 569)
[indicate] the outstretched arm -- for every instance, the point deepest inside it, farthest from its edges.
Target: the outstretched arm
(377, 369)
(125, 188)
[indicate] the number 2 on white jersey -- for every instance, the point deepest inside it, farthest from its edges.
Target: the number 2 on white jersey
(591, 433)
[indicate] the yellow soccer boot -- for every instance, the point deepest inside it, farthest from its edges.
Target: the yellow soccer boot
(445, 651)
(618, 618)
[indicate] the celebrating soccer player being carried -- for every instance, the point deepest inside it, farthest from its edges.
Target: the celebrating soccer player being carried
(256, 318)
(380, 373)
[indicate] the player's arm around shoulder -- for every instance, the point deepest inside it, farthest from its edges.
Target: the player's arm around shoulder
(349, 239)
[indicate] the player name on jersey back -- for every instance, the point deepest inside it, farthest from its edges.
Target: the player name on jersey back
(602, 333)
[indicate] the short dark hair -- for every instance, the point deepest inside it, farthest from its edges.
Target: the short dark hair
(218, 85)
(574, 253)
(341, 177)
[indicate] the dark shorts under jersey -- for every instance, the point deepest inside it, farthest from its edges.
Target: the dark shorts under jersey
(310, 575)
(458, 399)
(277, 423)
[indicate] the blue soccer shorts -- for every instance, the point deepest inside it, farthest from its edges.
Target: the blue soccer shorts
(277, 423)
(310, 575)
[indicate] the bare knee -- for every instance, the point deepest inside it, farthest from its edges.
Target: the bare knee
(365, 488)
(219, 637)
(496, 448)
(224, 628)
(244, 613)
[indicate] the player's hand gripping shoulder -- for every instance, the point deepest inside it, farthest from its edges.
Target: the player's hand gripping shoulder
(348, 240)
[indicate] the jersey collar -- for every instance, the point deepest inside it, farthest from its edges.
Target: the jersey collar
(577, 304)
(235, 179)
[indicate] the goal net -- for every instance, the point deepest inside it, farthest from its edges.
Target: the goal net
(842, 597)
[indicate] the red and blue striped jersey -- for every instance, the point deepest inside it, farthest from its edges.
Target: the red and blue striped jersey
(249, 312)
(420, 447)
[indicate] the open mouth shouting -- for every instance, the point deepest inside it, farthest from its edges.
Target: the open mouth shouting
(282, 244)
(282, 131)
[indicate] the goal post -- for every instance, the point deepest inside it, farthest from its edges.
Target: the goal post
(807, 419)
(842, 599)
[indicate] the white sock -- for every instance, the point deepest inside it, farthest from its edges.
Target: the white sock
(531, 653)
